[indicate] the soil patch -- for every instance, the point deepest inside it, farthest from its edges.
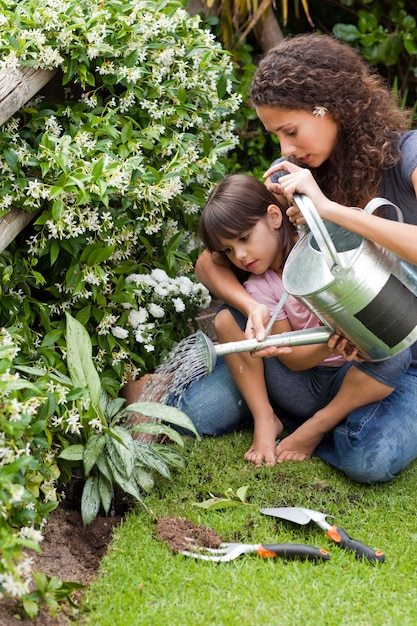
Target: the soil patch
(70, 552)
(177, 532)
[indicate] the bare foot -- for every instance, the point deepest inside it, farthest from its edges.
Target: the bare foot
(300, 445)
(262, 450)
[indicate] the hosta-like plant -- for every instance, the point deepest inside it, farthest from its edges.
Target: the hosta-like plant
(103, 447)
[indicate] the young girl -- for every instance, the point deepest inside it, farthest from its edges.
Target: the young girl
(243, 222)
(336, 118)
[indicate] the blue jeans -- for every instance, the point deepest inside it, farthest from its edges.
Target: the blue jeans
(374, 444)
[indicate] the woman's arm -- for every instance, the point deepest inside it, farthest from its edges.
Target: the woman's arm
(398, 237)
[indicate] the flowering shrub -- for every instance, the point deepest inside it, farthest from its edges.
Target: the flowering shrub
(155, 313)
(50, 424)
(117, 168)
(28, 471)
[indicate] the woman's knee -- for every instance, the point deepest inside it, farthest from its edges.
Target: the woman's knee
(364, 465)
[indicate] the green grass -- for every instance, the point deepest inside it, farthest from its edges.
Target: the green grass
(141, 581)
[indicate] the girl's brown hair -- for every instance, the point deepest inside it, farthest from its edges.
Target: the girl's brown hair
(234, 206)
(308, 71)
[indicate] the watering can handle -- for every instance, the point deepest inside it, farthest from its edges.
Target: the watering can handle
(375, 203)
(318, 229)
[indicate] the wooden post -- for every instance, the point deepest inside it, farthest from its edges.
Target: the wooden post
(16, 88)
(11, 224)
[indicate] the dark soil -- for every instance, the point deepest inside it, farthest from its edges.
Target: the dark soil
(72, 552)
(180, 533)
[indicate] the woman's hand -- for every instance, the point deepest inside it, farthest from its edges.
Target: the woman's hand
(297, 180)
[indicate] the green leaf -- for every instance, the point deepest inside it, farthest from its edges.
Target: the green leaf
(80, 361)
(146, 456)
(165, 413)
(92, 451)
(104, 467)
(121, 449)
(242, 492)
(348, 32)
(30, 606)
(106, 492)
(144, 479)
(231, 500)
(72, 453)
(129, 486)
(90, 500)
(170, 455)
(51, 338)
(218, 503)
(156, 428)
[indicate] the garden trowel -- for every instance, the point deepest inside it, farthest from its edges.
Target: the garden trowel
(302, 516)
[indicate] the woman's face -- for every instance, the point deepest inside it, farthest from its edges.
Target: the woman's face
(306, 138)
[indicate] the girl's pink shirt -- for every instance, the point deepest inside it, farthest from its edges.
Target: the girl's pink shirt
(268, 288)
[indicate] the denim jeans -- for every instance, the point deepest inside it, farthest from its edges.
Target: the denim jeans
(373, 444)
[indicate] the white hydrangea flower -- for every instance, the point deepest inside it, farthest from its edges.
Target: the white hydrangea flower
(156, 311)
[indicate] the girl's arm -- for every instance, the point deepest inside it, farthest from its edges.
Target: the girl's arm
(398, 237)
(215, 272)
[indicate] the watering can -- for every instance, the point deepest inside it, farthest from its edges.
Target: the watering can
(365, 293)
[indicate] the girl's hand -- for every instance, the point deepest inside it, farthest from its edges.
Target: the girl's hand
(343, 347)
(256, 325)
(258, 319)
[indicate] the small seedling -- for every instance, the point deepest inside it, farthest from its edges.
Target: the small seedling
(231, 499)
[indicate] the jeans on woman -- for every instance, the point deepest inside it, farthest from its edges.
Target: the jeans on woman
(373, 444)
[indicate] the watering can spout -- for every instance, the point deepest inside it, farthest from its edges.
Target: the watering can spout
(210, 351)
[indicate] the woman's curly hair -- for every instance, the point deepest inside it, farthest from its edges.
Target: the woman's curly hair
(311, 70)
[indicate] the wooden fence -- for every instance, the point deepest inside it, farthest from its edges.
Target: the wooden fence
(16, 88)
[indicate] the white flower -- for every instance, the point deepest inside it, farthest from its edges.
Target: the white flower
(96, 425)
(179, 305)
(28, 532)
(159, 275)
(120, 333)
(137, 317)
(156, 311)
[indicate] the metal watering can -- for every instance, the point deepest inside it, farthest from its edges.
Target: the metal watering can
(366, 293)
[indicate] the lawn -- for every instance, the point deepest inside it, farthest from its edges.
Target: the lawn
(141, 580)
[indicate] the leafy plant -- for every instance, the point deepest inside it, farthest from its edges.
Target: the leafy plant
(387, 35)
(105, 449)
(50, 592)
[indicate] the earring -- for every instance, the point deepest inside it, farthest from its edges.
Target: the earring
(319, 111)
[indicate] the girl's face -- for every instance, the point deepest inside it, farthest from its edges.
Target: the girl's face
(308, 139)
(257, 249)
